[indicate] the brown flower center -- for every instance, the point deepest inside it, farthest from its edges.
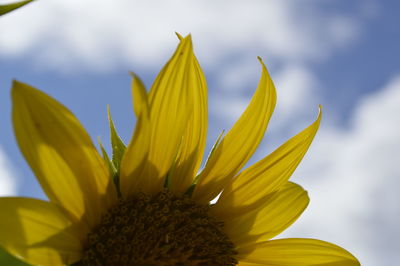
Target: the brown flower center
(159, 230)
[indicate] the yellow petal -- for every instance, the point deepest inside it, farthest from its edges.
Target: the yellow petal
(139, 96)
(194, 138)
(239, 144)
(170, 109)
(250, 187)
(61, 154)
(277, 213)
(133, 176)
(39, 232)
(297, 252)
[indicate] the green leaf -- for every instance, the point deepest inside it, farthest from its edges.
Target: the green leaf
(10, 7)
(9, 260)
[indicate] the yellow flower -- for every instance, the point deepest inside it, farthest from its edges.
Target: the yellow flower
(163, 215)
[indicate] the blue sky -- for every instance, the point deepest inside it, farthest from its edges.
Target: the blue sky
(341, 54)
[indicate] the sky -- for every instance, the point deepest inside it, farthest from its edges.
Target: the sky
(341, 54)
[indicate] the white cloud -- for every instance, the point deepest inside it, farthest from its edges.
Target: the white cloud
(235, 77)
(227, 109)
(7, 177)
(101, 34)
(297, 90)
(353, 179)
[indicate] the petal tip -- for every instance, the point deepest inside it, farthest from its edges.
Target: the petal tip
(19, 89)
(187, 41)
(136, 80)
(132, 74)
(264, 67)
(261, 62)
(180, 37)
(17, 85)
(319, 113)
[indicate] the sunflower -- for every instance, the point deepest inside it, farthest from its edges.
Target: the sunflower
(150, 204)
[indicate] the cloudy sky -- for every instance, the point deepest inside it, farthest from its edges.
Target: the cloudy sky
(341, 54)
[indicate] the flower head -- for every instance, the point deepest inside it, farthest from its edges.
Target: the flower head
(150, 204)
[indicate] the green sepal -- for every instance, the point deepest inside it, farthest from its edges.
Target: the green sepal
(216, 144)
(118, 146)
(110, 164)
(114, 174)
(4, 9)
(190, 190)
